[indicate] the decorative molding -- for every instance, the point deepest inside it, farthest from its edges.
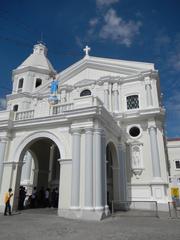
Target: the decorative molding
(84, 82)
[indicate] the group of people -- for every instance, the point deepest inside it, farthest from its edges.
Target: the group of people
(41, 198)
(38, 199)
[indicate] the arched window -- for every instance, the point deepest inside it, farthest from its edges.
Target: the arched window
(15, 108)
(38, 82)
(132, 102)
(20, 83)
(85, 92)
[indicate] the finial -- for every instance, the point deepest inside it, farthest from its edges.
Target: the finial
(86, 50)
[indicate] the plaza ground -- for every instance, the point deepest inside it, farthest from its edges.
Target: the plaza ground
(44, 224)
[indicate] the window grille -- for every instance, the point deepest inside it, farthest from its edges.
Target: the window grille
(177, 164)
(132, 102)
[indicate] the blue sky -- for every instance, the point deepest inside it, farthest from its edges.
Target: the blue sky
(139, 30)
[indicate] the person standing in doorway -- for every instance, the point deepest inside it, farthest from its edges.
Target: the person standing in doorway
(7, 199)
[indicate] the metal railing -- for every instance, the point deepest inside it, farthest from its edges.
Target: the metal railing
(174, 210)
(140, 208)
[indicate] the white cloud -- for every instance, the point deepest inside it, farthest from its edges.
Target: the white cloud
(93, 22)
(2, 103)
(115, 28)
(102, 3)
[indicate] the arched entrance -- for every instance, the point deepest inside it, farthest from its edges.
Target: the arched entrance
(112, 173)
(41, 167)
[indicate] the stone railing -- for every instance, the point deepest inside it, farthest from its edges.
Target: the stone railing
(87, 101)
(60, 108)
(24, 115)
(82, 102)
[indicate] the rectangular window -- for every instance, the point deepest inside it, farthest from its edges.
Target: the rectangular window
(132, 102)
(177, 164)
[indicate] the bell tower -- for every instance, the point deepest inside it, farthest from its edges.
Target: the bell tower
(28, 78)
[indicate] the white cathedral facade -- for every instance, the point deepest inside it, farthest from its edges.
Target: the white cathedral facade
(99, 138)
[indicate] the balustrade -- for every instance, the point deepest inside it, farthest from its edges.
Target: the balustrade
(24, 115)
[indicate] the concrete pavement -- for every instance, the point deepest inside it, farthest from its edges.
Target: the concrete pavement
(44, 224)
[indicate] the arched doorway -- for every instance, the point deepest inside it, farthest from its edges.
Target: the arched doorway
(41, 167)
(112, 173)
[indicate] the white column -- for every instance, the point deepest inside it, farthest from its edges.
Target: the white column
(106, 95)
(148, 91)
(99, 169)
(51, 157)
(154, 151)
(89, 169)
(75, 186)
(116, 100)
(26, 169)
(122, 172)
(3, 143)
(110, 97)
(28, 166)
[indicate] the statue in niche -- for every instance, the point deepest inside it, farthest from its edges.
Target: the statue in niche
(136, 157)
(136, 161)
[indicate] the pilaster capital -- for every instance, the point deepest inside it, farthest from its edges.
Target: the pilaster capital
(14, 164)
(115, 87)
(147, 80)
(152, 124)
(64, 161)
(4, 139)
(89, 130)
(99, 131)
(76, 131)
(106, 85)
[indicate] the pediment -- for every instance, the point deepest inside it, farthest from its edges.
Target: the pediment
(84, 82)
(91, 69)
(95, 68)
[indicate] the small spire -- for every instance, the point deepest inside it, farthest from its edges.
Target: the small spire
(86, 50)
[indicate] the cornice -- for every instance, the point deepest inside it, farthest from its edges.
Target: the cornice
(140, 114)
(67, 117)
(31, 69)
(18, 95)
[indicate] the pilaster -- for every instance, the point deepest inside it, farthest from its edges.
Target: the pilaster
(89, 169)
(154, 150)
(106, 95)
(148, 91)
(3, 145)
(99, 169)
(116, 98)
(75, 186)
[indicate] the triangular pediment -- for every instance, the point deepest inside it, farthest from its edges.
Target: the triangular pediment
(95, 68)
(91, 69)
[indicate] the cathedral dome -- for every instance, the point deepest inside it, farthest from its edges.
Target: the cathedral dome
(38, 59)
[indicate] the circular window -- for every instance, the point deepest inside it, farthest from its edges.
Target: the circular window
(134, 131)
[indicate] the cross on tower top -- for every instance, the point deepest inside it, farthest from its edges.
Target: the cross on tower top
(86, 50)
